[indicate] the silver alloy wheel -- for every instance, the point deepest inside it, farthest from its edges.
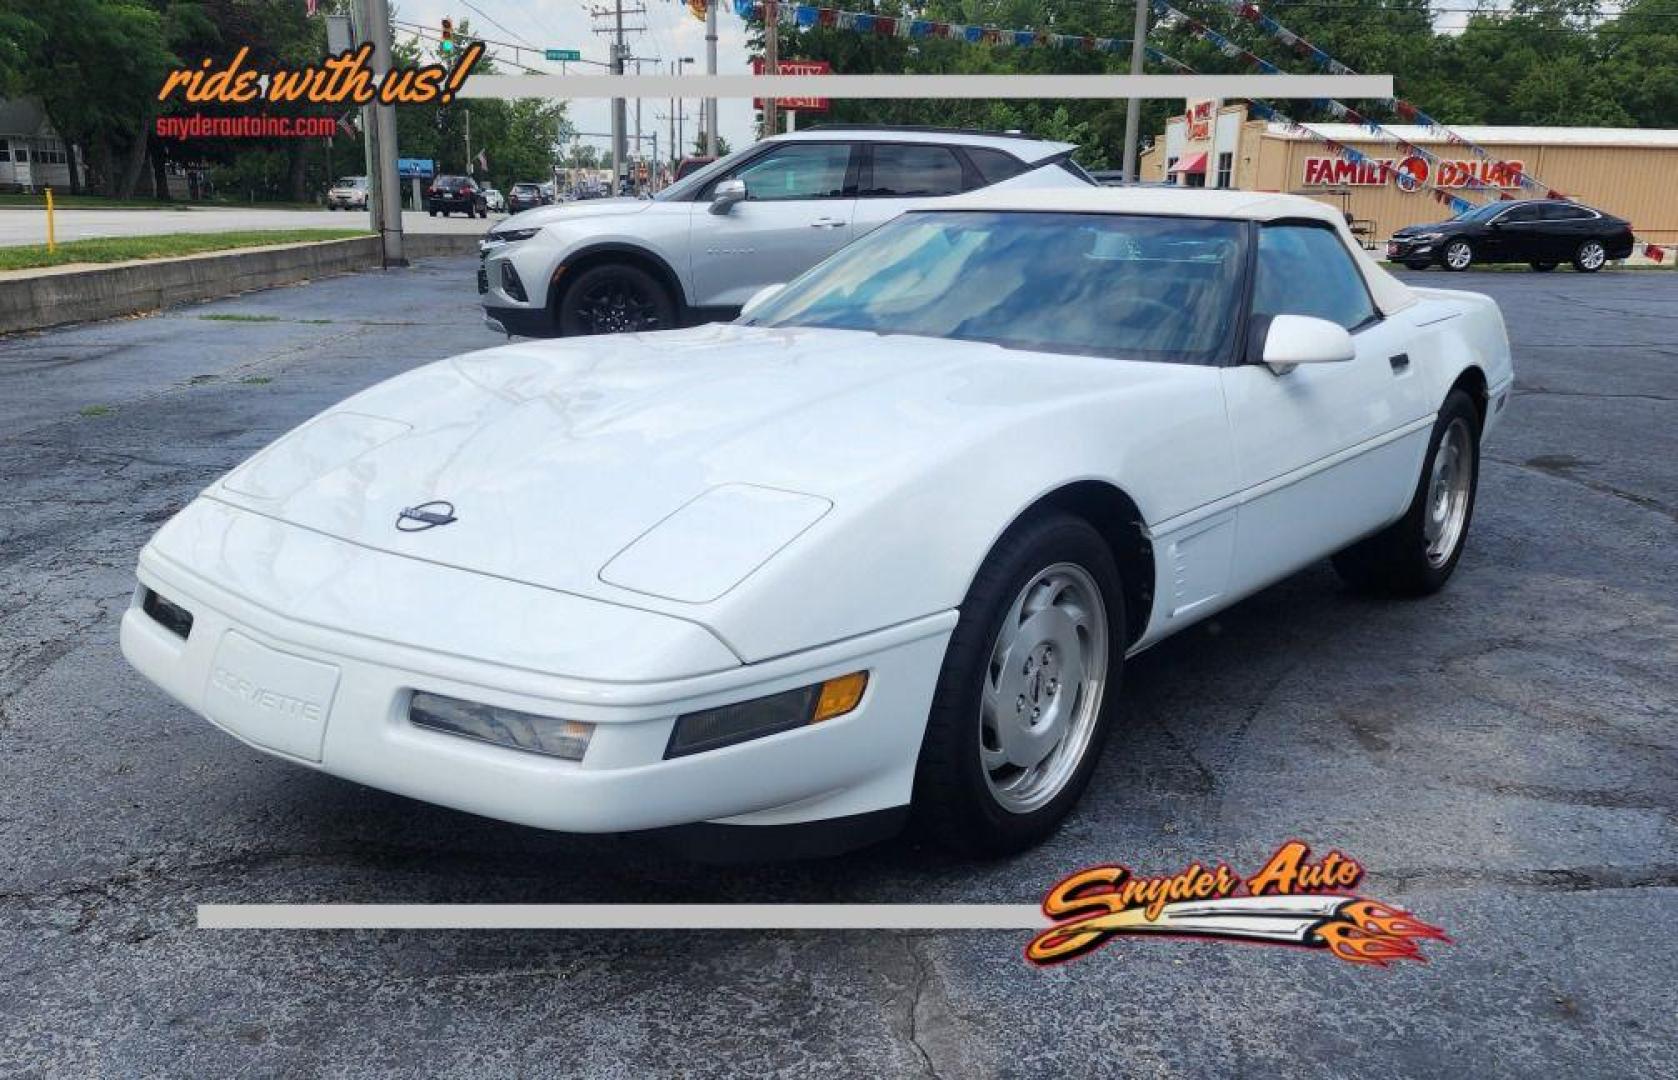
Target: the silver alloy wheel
(1043, 687)
(1448, 493)
(1592, 255)
(1458, 255)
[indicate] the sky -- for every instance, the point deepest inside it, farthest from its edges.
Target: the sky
(671, 33)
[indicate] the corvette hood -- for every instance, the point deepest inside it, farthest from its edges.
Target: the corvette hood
(555, 457)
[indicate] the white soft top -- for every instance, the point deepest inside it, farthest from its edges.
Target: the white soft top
(1389, 293)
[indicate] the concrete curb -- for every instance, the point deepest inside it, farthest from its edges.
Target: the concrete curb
(54, 296)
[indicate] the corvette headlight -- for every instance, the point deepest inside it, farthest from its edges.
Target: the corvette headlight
(711, 729)
(548, 735)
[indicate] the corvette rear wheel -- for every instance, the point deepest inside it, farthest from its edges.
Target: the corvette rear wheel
(1027, 690)
(1416, 554)
(1459, 255)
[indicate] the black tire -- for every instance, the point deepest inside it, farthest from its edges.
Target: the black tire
(954, 803)
(1543, 267)
(1421, 265)
(1445, 256)
(1590, 257)
(1396, 560)
(615, 298)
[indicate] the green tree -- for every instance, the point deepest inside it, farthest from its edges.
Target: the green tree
(96, 66)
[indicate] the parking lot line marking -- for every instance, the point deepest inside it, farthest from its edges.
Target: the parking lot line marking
(620, 917)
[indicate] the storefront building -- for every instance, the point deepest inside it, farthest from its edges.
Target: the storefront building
(1628, 172)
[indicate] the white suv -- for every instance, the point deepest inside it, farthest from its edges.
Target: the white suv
(699, 249)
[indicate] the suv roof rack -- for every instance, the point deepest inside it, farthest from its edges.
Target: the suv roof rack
(924, 127)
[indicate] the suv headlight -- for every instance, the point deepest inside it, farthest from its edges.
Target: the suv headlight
(510, 236)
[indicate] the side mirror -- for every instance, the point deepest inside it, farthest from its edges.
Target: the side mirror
(1301, 339)
(760, 297)
(726, 194)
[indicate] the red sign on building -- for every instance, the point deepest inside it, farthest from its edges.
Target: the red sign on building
(795, 67)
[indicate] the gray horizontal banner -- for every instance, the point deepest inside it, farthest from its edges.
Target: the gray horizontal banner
(1344, 87)
(620, 917)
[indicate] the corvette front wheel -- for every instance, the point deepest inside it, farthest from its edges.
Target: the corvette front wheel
(1028, 686)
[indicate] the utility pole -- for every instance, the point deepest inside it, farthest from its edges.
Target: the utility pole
(675, 144)
(771, 61)
(710, 107)
(466, 117)
(385, 202)
(616, 28)
(1133, 106)
(638, 155)
(680, 134)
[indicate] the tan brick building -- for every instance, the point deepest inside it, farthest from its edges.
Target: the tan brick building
(1625, 171)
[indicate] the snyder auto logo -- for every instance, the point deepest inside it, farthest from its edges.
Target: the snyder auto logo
(1291, 901)
(263, 698)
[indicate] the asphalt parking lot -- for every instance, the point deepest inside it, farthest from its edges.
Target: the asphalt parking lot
(1503, 758)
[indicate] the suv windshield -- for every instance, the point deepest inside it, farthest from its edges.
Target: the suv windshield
(1126, 286)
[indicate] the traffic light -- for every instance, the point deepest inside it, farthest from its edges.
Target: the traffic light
(447, 46)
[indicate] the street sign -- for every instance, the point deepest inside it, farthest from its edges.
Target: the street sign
(339, 40)
(418, 168)
(563, 54)
(795, 67)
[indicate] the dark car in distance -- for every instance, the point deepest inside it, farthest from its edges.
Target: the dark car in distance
(525, 197)
(449, 193)
(1543, 233)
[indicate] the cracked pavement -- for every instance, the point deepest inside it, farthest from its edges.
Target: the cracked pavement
(1501, 758)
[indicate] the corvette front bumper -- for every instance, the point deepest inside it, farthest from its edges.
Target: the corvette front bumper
(318, 666)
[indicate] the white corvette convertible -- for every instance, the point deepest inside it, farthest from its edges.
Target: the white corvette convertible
(885, 542)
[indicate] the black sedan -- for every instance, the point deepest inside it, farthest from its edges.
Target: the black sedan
(1543, 233)
(449, 193)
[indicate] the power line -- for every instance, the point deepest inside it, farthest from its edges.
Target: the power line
(497, 25)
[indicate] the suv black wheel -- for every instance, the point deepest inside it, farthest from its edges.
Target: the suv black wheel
(615, 298)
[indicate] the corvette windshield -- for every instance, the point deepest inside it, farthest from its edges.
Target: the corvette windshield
(1143, 288)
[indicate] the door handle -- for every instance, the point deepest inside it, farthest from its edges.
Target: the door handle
(826, 223)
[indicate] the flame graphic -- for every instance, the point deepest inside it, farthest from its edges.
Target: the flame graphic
(1370, 932)
(1378, 918)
